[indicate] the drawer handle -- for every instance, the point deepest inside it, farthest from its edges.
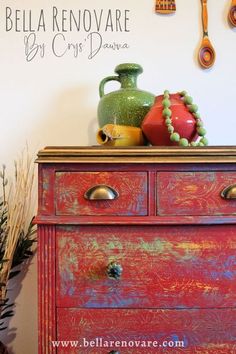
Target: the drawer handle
(114, 352)
(229, 192)
(114, 270)
(101, 192)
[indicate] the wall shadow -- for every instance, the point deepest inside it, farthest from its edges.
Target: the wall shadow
(14, 288)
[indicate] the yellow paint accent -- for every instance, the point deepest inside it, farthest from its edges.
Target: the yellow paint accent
(196, 246)
(191, 188)
(205, 287)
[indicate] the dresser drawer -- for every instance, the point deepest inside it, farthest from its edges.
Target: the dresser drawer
(164, 267)
(194, 193)
(128, 190)
(147, 331)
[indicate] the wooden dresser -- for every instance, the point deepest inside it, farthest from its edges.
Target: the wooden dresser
(137, 250)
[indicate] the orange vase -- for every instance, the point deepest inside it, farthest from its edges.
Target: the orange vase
(183, 121)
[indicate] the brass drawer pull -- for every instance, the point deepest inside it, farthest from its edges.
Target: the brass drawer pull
(114, 270)
(229, 192)
(101, 192)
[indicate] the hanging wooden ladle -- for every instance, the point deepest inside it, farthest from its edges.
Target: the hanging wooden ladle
(206, 55)
(232, 13)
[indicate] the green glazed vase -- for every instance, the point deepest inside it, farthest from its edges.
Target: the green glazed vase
(128, 105)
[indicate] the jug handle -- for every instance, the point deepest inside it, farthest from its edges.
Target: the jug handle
(104, 81)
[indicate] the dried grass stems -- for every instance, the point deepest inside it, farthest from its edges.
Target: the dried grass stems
(16, 206)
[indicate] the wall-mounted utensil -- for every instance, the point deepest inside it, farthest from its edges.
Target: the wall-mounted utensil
(232, 13)
(206, 55)
(165, 6)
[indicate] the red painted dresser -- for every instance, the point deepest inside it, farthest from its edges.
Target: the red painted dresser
(137, 250)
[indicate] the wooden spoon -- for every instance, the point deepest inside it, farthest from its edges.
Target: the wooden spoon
(206, 55)
(232, 13)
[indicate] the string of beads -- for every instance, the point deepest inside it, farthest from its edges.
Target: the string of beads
(193, 108)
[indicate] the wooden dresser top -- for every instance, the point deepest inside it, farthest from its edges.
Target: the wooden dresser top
(144, 154)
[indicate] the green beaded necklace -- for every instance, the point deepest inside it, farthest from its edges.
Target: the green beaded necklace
(193, 108)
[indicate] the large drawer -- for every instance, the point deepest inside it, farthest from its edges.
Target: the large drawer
(131, 189)
(163, 266)
(147, 331)
(194, 193)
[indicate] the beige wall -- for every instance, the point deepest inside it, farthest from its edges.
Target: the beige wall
(52, 101)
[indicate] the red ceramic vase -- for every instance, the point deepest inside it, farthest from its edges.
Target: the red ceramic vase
(154, 126)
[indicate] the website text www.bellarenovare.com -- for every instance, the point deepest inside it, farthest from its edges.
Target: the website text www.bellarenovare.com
(117, 344)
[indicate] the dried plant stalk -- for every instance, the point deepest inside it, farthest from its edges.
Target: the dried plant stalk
(18, 204)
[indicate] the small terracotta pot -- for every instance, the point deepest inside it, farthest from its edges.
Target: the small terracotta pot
(154, 126)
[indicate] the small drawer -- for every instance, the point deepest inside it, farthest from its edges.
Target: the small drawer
(147, 331)
(195, 193)
(101, 193)
(148, 267)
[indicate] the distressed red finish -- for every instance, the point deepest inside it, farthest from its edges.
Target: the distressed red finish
(194, 193)
(167, 267)
(202, 332)
(71, 187)
(170, 230)
(46, 289)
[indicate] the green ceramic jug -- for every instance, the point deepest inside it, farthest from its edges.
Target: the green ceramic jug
(128, 105)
